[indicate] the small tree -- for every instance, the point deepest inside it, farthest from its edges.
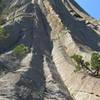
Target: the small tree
(80, 63)
(20, 50)
(95, 63)
(78, 60)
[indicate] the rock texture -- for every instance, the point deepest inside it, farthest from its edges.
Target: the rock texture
(53, 30)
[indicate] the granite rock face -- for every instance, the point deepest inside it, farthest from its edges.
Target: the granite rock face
(52, 30)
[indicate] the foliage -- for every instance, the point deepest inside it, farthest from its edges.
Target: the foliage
(78, 60)
(20, 50)
(95, 62)
(81, 64)
(3, 33)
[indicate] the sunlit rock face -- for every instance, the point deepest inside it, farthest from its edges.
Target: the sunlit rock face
(52, 31)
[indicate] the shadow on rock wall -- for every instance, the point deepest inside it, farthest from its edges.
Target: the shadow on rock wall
(32, 83)
(79, 31)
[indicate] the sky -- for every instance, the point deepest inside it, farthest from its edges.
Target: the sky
(91, 6)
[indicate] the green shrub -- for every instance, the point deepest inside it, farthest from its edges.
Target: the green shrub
(20, 50)
(3, 33)
(95, 63)
(80, 63)
(78, 60)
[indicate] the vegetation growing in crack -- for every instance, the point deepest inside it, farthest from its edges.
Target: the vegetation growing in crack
(3, 33)
(20, 50)
(93, 67)
(95, 63)
(80, 63)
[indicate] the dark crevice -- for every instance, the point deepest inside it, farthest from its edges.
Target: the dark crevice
(34, 80)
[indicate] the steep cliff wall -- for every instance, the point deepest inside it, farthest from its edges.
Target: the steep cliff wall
(52, 30)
